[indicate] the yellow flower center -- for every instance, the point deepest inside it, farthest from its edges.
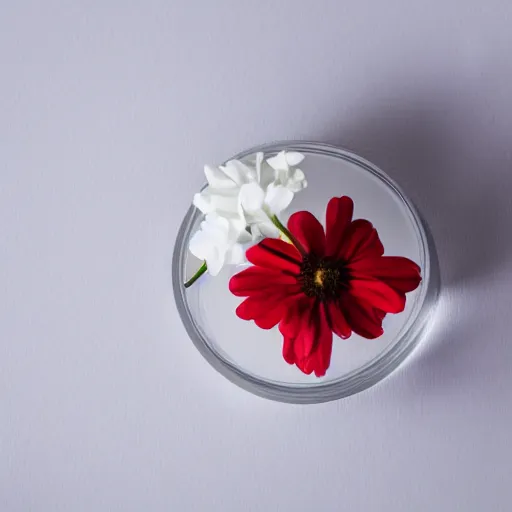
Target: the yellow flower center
(319, 277)
(323, 278)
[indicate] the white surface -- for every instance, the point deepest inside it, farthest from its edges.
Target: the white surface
(107, 112)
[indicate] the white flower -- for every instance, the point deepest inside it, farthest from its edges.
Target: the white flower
(272, 191)
(245, 195)
(221, 194)
(286, 173)
(216, 242)
(254, 190)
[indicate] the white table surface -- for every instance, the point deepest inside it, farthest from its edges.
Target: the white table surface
(108, 110)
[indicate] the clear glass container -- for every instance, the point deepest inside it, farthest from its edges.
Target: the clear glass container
(252, 357)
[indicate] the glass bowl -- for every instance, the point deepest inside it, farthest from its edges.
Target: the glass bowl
(252, 357)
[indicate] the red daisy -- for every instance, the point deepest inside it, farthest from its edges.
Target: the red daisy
(333, 281)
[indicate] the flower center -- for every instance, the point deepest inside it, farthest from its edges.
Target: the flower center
(324, 279)
(319, 277)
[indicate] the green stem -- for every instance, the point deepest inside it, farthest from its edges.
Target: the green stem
(197, 275)
(279, 225)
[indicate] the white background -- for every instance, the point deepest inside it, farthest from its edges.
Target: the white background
(108, 110)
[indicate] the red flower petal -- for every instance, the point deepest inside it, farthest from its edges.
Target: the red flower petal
(291, 322)
(338, 218)
(306, 365)
(265, 311)
(362, 318)
(275, 254)
(288, 351)
(254, 280)
(306, 228)
(360, 241)
(307, 337)
(324, 348)
(378, 294)
(337, 320)
(400, 273)
(270, 320)
(308, 329)
(290, 326)
(379, 314)
(320, 358)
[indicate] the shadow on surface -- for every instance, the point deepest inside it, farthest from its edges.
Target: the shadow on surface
(457, 175)
(456, 167)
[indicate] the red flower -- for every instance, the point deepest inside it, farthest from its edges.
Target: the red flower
(333, 281)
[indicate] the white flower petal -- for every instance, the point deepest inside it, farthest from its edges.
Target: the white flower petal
(282, 176)
(278, 198)
(251, 197)
(239, 172)
(200, 245)
(215, 261)
(237, 224)
(254, 220)
(267, 175)
(220, 200)
(256, 217)
(224, 205)
(217, 178)
(244, 237)
(294, 158)
(298, 175)
(257, 163)
(216, 241)
(278, 162)
(236, 232)
(235, 255)
(297, 182)
(215, 224)
(233, 173)
(202, 202)
(255, 232)
(295, 187)
(268, 230)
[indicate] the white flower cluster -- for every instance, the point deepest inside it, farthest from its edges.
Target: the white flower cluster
(238, 203)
